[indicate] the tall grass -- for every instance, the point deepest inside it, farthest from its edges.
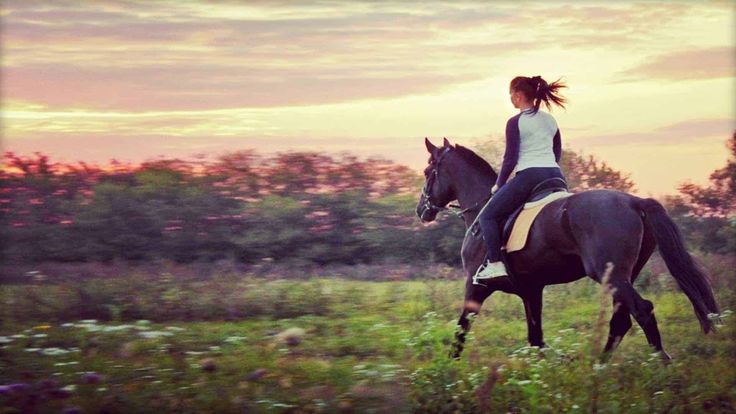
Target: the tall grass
(230, 343)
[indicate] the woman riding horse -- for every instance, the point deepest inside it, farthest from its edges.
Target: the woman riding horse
(533, 148)
(605, 235)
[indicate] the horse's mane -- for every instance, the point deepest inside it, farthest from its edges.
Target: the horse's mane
(475, 160)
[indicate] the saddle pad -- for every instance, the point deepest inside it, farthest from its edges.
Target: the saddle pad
(524, 221)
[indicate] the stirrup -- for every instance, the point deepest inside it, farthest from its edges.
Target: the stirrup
(485, 265)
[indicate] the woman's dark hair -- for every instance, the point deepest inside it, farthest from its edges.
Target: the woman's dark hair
(537, 90)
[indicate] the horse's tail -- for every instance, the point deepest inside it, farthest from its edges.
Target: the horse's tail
(691, 278)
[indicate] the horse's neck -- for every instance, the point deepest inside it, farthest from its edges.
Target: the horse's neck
(472, 190)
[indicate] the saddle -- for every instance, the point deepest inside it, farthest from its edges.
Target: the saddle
(539, 196)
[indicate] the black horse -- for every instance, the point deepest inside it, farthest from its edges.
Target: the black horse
(571, 237)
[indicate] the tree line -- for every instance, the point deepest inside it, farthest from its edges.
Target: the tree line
(295, 207)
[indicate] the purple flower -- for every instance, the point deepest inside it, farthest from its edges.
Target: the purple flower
(18, 387)
(5, 390)
(60, 393)
(48, 383)
(71, 410)
(257, 374)
(91, 378)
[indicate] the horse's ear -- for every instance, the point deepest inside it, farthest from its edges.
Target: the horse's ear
(447, 143)
(430, 146)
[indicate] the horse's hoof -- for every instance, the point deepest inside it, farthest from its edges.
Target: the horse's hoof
(666, 358)
(605, 357)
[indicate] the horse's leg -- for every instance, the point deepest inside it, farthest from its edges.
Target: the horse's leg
(533, 308)
(621, 318)
(475, 295)
(642, 310)
(648, 322)
(619, 325)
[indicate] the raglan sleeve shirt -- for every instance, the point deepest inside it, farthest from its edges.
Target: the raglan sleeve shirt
(511, 154)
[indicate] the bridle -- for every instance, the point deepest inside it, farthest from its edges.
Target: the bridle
(434, 176)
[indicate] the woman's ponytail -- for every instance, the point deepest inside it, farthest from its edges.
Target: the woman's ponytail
(537, 90)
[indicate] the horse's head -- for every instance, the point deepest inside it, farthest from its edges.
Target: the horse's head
(438, 189)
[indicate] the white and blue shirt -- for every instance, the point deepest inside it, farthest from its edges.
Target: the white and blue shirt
(532, 140)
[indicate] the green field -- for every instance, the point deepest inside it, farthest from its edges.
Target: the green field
(241, 344)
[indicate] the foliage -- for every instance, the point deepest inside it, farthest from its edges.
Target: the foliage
(582, 172)
(707, 214)
(298, 207)
(234, 344)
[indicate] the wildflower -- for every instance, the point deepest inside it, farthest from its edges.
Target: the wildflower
(256, 375)
(18, 387)
(41, 327)
(60, 393)
(91, 378)
(291, 336)
(154, 334)
(175, 328)
(54, 351)
(71, 410)
(48, 383)
(5, 340)
(208, 364)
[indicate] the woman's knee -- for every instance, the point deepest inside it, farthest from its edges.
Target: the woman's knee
(490, 216)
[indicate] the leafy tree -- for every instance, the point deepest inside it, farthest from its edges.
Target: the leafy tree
(588, 173)
(706, 213)
(582, 172)
(718, 199)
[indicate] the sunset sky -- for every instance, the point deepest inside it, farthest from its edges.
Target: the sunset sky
(651, 84)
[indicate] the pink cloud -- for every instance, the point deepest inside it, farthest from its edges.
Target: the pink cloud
(710, 63)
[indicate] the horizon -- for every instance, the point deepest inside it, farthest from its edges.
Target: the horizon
(132, 81)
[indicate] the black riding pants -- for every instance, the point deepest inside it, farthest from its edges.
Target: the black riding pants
(507, 199)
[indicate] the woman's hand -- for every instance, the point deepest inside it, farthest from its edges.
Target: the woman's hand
(494, 189)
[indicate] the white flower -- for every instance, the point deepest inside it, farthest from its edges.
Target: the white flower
(154, 334)
(54, 351)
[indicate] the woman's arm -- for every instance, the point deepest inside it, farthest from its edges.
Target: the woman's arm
(511, 155)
